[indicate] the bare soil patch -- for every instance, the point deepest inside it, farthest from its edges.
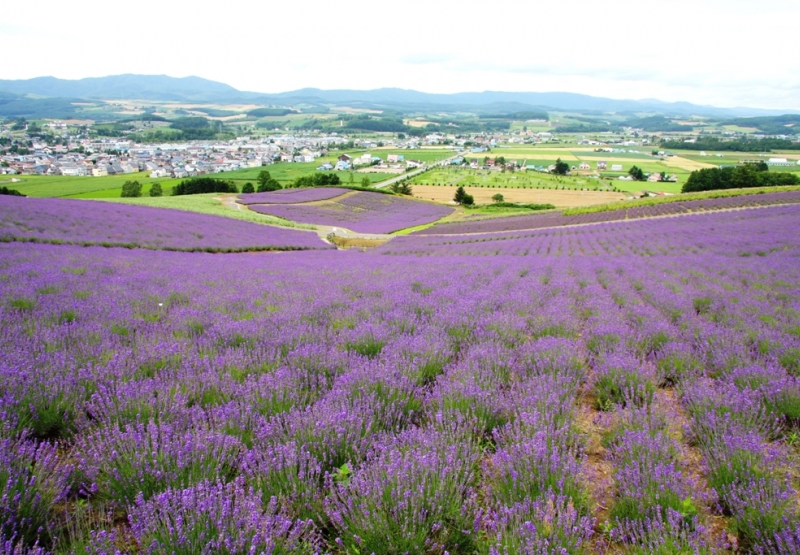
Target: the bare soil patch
(356, 242)
(483, 195)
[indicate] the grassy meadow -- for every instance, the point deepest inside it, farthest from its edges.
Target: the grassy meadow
(207, 204)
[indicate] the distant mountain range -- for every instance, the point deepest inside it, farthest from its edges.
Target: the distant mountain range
(119, 87)
(199, 90)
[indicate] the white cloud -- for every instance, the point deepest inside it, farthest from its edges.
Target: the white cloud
(703, 51)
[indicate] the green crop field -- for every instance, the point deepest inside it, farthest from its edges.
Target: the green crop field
(591, 156)
(522, 153)
(515, 180)
(63, 186)
(533, 126)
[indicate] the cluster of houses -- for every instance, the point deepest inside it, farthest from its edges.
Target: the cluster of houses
(777, 162)
(397, 162)
(81, 156)
(91, 157)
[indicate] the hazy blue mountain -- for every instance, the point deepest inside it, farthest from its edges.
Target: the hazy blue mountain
(400, 98)
(196, 89)
(117, 87)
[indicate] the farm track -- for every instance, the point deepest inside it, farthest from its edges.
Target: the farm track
(598, 469)
(692, 464)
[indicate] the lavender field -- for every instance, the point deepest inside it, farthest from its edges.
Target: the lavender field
(746, 233)
(621, 388)
(291, 196)
(557, 219)
(87, 223)
(362, 212)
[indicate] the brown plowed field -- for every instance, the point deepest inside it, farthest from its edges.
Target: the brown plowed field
(483, 195)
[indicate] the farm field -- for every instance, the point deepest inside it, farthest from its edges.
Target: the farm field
(214, 204)
(119, 225)
(729, 157)
(291, 196)
(483, 195)
(628, 387)
(614, 212)
(533, 179)
(681, 166)
(518, 179)
(360, 211)
(62, 186)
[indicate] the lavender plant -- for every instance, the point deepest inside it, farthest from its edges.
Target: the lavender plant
(218, 518)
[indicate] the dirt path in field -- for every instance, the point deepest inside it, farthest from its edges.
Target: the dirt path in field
(691, 464)
(597, 468)
(483, 195)
(322, 202)
(229, 201)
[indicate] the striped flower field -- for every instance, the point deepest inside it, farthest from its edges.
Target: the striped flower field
(629, 387)
(87, 223)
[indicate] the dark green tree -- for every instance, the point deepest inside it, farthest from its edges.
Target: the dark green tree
(562, 168)
(156, 190)
(316, 180)
(131, 189)
(636, 173)
(198, 185)
(710, 179)
(460, 194)
(248, 188)
(498, 198)
(266, 182)
(11, 192)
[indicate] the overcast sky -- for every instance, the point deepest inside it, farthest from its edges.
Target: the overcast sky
(716, 52)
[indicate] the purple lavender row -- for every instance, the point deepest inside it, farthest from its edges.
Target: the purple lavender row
(538, 221)
(742, 400)
(363, 212)
(746, 233)
(292, 196)
(80, 222)
(169, 375)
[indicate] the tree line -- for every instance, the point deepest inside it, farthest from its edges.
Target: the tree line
(739, 177)
(737, 145)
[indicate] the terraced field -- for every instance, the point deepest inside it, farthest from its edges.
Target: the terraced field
(361, 212)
